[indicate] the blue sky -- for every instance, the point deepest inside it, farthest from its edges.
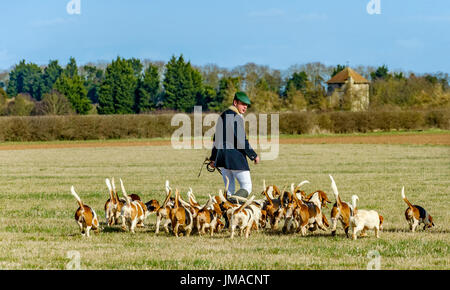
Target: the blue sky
(409, 35)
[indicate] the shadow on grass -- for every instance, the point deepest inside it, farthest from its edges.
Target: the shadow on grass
(109, 229)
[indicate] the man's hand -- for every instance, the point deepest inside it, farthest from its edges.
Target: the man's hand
(211, 164)
(256, 160)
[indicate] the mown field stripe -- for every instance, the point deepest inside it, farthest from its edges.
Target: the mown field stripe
(434, 138)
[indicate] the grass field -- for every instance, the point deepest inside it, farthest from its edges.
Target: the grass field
(37, 228)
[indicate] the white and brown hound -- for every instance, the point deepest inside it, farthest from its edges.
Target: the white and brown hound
(416, 215)
(85, 216)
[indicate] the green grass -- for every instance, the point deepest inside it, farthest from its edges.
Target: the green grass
(37, 228)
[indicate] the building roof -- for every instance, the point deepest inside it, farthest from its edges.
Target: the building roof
(343, 75)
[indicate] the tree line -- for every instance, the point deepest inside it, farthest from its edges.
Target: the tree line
(133, 86)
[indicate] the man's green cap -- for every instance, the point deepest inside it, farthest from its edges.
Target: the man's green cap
(241, 96)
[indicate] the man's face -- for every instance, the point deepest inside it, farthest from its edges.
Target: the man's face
(242, 107)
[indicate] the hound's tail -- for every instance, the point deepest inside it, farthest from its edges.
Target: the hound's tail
(247, 203)
(114, 189)
(226, 187)
(111, 192)
(268, 194)
(354, 198)
(80, 203)
(167, 187)
(177, 199)
(335, 191)
(208, 204)
(405, 199)
(168, 193)
(191, 197)
(297, 188)
(127, 198)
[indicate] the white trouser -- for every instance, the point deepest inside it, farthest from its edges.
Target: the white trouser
(243, 177)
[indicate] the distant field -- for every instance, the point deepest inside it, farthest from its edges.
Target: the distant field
(37, 228)
(427, 137)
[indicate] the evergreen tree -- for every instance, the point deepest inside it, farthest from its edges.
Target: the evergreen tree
(208, 98)
(137, 66)
(337, 69)
(71, 69)
(92, 79)
(74, 90)
(182, 84)
(382, 72)
(117, 91)
(51, 74)
(299, 80)
(148, 90)
(71, 85)
(25, 78)
(198, 88)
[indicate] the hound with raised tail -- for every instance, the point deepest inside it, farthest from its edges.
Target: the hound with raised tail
(113, 205)
(363, 220)
(341, 211)
(243, 217)
(163, 211)
(208, 216)
(110, 205)
(307, 215)
(132, 212)
(272, 206)
(85, 216)
(416, 215)
(181, 217)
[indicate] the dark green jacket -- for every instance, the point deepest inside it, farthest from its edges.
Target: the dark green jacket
(231, 154)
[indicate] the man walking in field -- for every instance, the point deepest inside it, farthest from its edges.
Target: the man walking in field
(231, 147)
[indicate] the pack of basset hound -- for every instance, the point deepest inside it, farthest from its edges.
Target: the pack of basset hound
(294, 209)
